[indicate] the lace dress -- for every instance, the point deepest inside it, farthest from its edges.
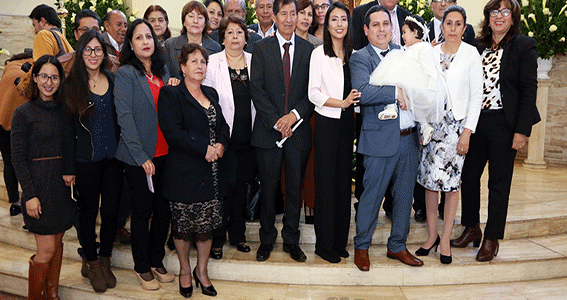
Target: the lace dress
(200, 217)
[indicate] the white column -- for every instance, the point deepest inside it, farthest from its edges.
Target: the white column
(536, 145)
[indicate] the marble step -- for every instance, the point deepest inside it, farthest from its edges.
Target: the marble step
(538, 207)
(14, 272)
(518, 260)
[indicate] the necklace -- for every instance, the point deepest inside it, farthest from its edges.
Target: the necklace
(150, 77)
(234, 62)
(93, 82)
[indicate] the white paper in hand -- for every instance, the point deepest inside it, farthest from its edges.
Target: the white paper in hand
(150, 183)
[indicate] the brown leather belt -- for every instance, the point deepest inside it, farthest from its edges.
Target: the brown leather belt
(408, 131)
(47, 158)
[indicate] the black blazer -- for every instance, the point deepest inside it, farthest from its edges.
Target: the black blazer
(518, 83)
(77, 134)
(185, 126)
(359, 39)
(252, 39)
(268, 92)
(468, 37)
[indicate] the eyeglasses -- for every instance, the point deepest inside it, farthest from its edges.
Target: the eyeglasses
(43, 78)
(97, 51)
(447, 1)
(504, 12)
(322, 6)
(86, 28)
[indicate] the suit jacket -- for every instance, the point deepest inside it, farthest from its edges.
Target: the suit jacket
(256, 27)
(252, 39)
(359, 39)
(468, 36)
(518, 83)
(464, 84)
(109, 48)
(136, 114)
(268, 92)
(185, 126)
(219, 78)
(377, 138)
(173, 49)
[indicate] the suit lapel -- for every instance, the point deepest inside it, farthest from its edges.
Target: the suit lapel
(146, 87)
(276, 56)
(192, 99)
(297, 53)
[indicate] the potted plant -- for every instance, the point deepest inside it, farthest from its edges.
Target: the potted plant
(418, 7)
(546, 22)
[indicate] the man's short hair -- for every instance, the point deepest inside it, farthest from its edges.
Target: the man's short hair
(374, 9)
(242, 3)
(46, 12)
(86, 13)
(110, 13)
(279, 3)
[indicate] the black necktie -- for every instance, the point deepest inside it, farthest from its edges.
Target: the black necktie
(383, 53)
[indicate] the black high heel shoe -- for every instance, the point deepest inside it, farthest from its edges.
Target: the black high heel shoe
(425, 252)
(15, 209)
(185, 291)
(207, 290)
(446, 259)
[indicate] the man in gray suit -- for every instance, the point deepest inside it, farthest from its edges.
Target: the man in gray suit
(390, 147)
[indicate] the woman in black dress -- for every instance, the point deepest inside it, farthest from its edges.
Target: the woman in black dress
(40, 162)
(197, 134)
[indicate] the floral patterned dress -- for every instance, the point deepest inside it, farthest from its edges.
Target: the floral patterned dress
(441, 167)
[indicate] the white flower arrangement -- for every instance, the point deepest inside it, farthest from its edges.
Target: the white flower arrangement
(546, 22)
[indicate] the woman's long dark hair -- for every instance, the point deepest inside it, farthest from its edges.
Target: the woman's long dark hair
(328, 41)
(485, 38)
(76, 90)
(129, 58)
(32, 92)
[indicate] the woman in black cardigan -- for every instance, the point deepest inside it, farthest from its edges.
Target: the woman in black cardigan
(197, 134)
(508, 113)
(94, 136)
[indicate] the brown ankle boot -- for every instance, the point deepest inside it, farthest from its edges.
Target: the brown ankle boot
(470, 234)
(107, 272)
(94, 273)
(488, 250)
(53, 274)
(37, 280)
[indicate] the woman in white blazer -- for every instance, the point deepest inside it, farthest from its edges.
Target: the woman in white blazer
(443, 158)
(229, 73)
(329, 84)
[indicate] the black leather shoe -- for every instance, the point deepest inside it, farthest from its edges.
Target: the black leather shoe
(216, 254)
(242, 247)
(206, 290)
(264, 252)
(420, 216)
(15, 209)
(294, 252)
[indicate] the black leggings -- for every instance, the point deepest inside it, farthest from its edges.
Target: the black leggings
(98, 182)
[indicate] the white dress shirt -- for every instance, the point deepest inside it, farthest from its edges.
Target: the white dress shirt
(114, 43)
(396, 33)
(269, 32)
(436, 28)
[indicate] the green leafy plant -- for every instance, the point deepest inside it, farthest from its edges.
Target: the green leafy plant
(418, 7)
(101, 7)
(546, 22)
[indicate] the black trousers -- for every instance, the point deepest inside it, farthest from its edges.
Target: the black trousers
(269, 162)
(148, 240)
(333, 181)
(10, 178)
(240, 167)
(98, 182)
(492, 143)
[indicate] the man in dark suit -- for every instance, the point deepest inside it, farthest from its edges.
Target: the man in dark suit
(435, 35)
(266, 25)
(390, 148)
(359, 39)
(115, 25)
(237, 7)
(278, 83)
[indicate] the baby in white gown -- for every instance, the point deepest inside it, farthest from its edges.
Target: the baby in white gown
(418, 73)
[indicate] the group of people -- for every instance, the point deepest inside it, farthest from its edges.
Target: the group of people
(190, 120)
